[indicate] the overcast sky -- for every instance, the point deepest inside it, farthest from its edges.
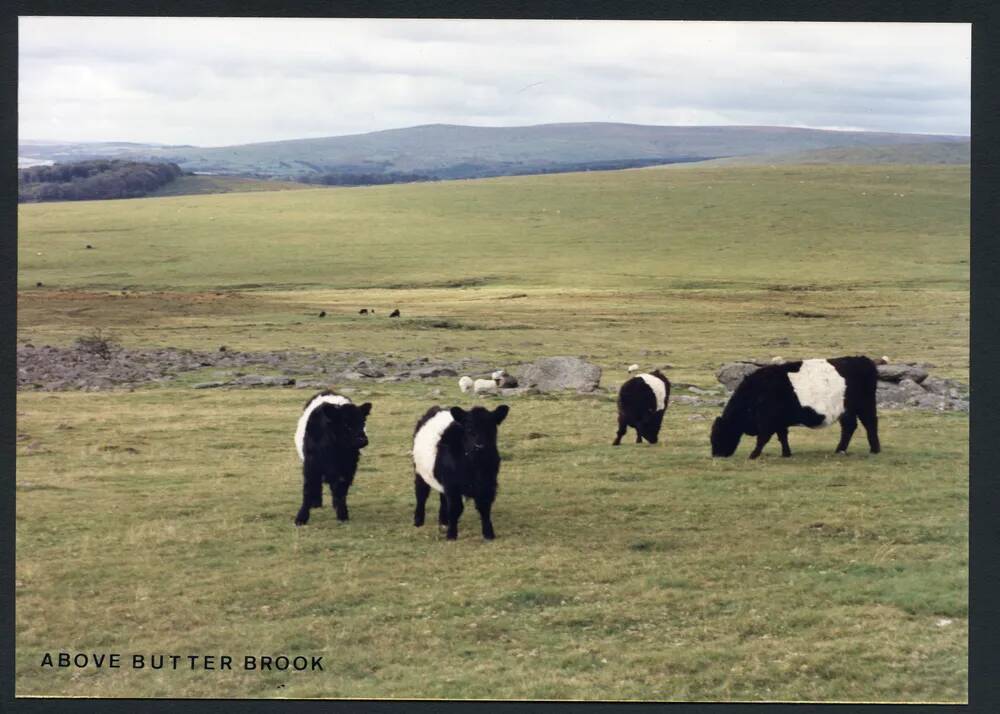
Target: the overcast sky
(213, 82)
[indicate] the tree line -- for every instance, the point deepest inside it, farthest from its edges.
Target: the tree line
(93, 180)
(363, 179)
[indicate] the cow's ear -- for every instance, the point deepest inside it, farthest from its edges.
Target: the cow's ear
(365, 409)
(500, 413)
(458, 414)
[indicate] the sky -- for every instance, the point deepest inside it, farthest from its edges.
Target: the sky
(222, 81)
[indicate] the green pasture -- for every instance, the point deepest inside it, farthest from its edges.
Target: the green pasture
(160, 520)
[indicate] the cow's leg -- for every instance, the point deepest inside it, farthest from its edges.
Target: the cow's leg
(622, 426)
(312, 491)
(869, 418)
(783, 438)
(443, 511)
(638, 436)
(658, 424)
(423, 491)
(848, 423)
(762, 438)
(484, 505)
(339, 491)
(455, 508)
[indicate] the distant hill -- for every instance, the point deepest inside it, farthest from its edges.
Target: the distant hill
(442, 151)
(955, 153)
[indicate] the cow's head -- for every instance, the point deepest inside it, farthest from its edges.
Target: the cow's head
(479, 428)
(345, 423)
(725, 437)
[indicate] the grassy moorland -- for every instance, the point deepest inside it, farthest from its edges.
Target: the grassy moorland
(159, 520)
(201, 184)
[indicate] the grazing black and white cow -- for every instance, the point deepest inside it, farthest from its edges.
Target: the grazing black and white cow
(455, 453)
(812, 392)
(329, 438)
(642, 400)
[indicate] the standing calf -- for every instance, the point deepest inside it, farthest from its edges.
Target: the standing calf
(329, 438)
(642, 400)
(455, 453)
(813, 393)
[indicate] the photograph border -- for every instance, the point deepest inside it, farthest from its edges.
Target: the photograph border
(984, 488)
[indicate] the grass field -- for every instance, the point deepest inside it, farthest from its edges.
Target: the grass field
(650, 572)
(201, 184)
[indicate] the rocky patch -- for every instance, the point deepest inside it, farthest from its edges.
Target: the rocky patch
(83, 367)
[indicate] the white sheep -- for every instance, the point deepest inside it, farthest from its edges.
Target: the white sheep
(484, 386)
(465, 384)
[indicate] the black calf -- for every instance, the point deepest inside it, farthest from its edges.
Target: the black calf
(330, 437)
(642, 402)
(455, 453)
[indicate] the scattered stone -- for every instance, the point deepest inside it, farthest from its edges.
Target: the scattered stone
(550, 374)
(254, 380)
(209, 385)
(310, 384)
(899, 372)
(432, 372)
(685, 399)
(732, 374)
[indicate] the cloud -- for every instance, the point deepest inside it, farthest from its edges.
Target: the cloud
(216, 81)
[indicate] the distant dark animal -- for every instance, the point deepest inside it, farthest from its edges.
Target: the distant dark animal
(394, 313)
(642, 401)
(89, 246)
(455, 453)
(38, 285)
(322, 313)
(329, 438)
(813, 393)
(363, 311)
(503, 379)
